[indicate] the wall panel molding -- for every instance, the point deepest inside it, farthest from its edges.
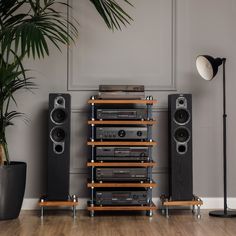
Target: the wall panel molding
(81, 78)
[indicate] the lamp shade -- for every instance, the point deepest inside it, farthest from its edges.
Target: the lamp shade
(207, 66)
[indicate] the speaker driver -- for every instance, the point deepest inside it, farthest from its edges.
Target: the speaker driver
(57, 134)
(181, 148)
(58, 115)
(58, 148)
(181, 135)
(181, 116)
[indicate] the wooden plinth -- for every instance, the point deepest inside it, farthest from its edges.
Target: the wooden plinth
(183, 203)
(69, 203)
(167, 203)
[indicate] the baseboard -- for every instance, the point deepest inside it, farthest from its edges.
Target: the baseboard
(208, 203)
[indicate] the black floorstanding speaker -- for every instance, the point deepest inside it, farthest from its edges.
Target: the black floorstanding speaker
(58, 146)
(180, 146)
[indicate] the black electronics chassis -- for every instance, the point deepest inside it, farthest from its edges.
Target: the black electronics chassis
(122, 153)
(121, 174)
(133, 196)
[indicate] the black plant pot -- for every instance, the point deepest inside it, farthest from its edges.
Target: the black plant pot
(12, 189)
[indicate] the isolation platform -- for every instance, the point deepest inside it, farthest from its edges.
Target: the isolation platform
(166, 203)
(72, 202)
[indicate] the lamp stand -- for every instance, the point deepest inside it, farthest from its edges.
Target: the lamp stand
(225, 212)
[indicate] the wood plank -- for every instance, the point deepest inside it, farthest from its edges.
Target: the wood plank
(182, 203)
(57, 203)
(135, 164)
(123, 185)
(121, 143)
(119, 101)
(122, 208)
(122, 122)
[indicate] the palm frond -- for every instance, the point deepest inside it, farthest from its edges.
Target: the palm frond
(8, 117)
(112, 13)
(31, 32)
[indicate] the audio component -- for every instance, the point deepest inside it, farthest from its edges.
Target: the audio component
(58, 146)
(133, 196)
(121, 174)
(121, 114)
(121, 92)
(121, 133)
(122, 88)
(122, 153)
(180, 146)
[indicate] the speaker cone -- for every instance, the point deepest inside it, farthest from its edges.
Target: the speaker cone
(59, 148)
(181, 135)
(58, 115)
(181, 116)
(58, 135)
(181, 149)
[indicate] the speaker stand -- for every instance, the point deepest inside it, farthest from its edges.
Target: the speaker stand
(223, 214)
(166, 203)
(72, 202)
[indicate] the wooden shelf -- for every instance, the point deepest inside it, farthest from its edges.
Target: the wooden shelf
(137, 101)
(122, 208)
(119, 164)
(121, 185)
(122, 122)
(121, 143)
(57, 203)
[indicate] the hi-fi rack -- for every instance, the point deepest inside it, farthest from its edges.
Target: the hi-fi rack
(121, 155)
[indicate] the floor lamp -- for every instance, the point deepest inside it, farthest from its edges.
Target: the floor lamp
(207, 67)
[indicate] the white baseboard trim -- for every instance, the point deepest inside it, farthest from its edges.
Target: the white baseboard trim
(208, 203)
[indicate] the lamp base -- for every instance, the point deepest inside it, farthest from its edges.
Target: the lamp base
(223, 214)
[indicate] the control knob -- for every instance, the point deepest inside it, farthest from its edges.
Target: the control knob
(121, 133)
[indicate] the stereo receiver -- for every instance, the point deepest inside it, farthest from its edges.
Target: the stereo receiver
(122, 153)
(122, 114)
(121, 133)
(138, 196)
(121, 174)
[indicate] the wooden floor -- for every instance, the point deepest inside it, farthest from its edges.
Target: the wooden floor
(60, 223)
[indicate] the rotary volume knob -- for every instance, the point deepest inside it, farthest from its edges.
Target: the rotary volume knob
(121, 133)
(139, 133)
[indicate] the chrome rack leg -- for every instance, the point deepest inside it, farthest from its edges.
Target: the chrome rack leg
(193, 210)
(42, 212)
(92, 213)
(167, 212)
(198, 212)
(74, 212)
(149, 213)
(162, 209)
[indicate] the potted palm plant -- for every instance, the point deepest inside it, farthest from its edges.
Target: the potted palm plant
(26, 27)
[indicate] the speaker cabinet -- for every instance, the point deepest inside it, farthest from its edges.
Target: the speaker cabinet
(180, 146)
(58, 146)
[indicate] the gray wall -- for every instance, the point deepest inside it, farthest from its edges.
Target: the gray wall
(158, 50)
